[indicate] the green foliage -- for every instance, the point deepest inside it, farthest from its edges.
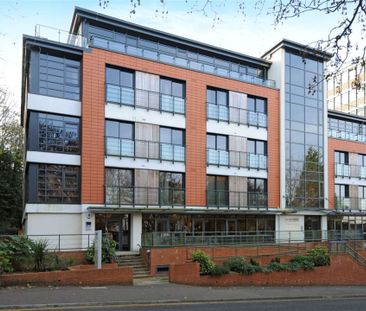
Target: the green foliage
(254, 262)
(240, 265)
(273, 266)
(108, 251)
(304, 262)
(39, 253)
(219, 270)
(206, 263)
(5, 262)
(54, 262)
(319, 256)
(291, 266)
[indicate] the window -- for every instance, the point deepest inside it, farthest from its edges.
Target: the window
(217, 142)
(257, 147)
(48, 183)
(257, 104)
(342, 191)
(53, 133)
(171, 188)
(341, 157)
(257, 192)
(362, 160)
(119, 86)
(172, 144)
(119, 138)
(59, 76)
(119, 188)
(171, 87)
(217, 97)
(217, 190)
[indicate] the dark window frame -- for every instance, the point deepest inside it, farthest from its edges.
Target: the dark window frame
(216, 136)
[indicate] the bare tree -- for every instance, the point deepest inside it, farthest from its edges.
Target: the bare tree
(345, 40)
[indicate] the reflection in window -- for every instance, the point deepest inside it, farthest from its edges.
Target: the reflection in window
(119, 187)
(172, 188)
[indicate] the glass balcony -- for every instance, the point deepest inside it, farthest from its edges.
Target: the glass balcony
(236, 159)
(144, 196)
(349, 171)
(349, 203)
(236, 115)
(142, 149)
(144, 99)
(236, 199)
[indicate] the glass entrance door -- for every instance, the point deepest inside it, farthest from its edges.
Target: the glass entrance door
(313, 228)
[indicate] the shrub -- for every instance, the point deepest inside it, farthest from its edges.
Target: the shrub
(219, 270)
(304, 262)
(319, 256)
(39, 254)
(5, 261)
(240, 265)
(254, 262)
(206, 263)
(54, 262)
(108, 251)
(291, 266)
(273, 266)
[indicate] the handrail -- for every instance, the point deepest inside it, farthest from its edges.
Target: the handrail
(349, 170)
(347, 135)
(232, 158)
(355, 255)
(236, 199)
(146, 99)
(144, 196)
(349, 203)
(236, 115)
(144, 149)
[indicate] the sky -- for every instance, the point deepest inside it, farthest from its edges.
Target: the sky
(252, 34)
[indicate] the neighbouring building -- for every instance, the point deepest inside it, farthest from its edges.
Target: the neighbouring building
(157, 139)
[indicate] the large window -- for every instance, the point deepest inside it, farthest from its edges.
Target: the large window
(257, 111)
(342, 197)
(171, 188)
(53, 133)
(341, 157)
(119, 186)
(50, 183)
(120, 86)
(172, 144)
(257, 192)
(349, 130)
(257, 154)
(172, 95)
(217, 190)
(119, 138)
(59, 76)
(217, 104)
(217, 149)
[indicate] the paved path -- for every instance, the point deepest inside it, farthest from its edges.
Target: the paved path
(165, 293)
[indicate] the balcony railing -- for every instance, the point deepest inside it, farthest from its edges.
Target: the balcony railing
(142, 149)
(236, 159)
(351, 203)
(207, 238)
(61, 36)
(349, 170)
(144, 99)
(347, 135)
(224, 199)
(144, 196)
(236, 115)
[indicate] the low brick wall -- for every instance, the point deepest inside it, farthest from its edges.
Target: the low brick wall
(180, 255)
(80, 275)
(342, 271)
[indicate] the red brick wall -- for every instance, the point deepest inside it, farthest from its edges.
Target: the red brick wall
(93, 123)
(342, 271)
(89, 277)
(339, 145)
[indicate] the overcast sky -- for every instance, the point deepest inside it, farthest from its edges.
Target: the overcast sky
(253, 34)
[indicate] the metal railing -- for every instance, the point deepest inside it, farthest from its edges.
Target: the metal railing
(143, 149)
(149, 100)
(144, 197)
(350, 203)
(239, 159)
(349, 170)
(63, 242)
(346, 135)
(236, 115)
(152, 54)
(245, 238)
(61, 36)
(224, 199)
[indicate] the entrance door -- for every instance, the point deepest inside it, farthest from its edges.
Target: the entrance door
(313, 228)
(118, 226)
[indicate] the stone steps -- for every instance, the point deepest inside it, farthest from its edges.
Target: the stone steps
(139, 268)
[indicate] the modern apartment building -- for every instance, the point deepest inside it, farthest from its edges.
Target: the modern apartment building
(141, 133)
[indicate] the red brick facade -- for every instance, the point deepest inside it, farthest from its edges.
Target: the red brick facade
(93, 107)
(339, 145)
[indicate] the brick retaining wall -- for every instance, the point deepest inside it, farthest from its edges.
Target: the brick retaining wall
(342, 271)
